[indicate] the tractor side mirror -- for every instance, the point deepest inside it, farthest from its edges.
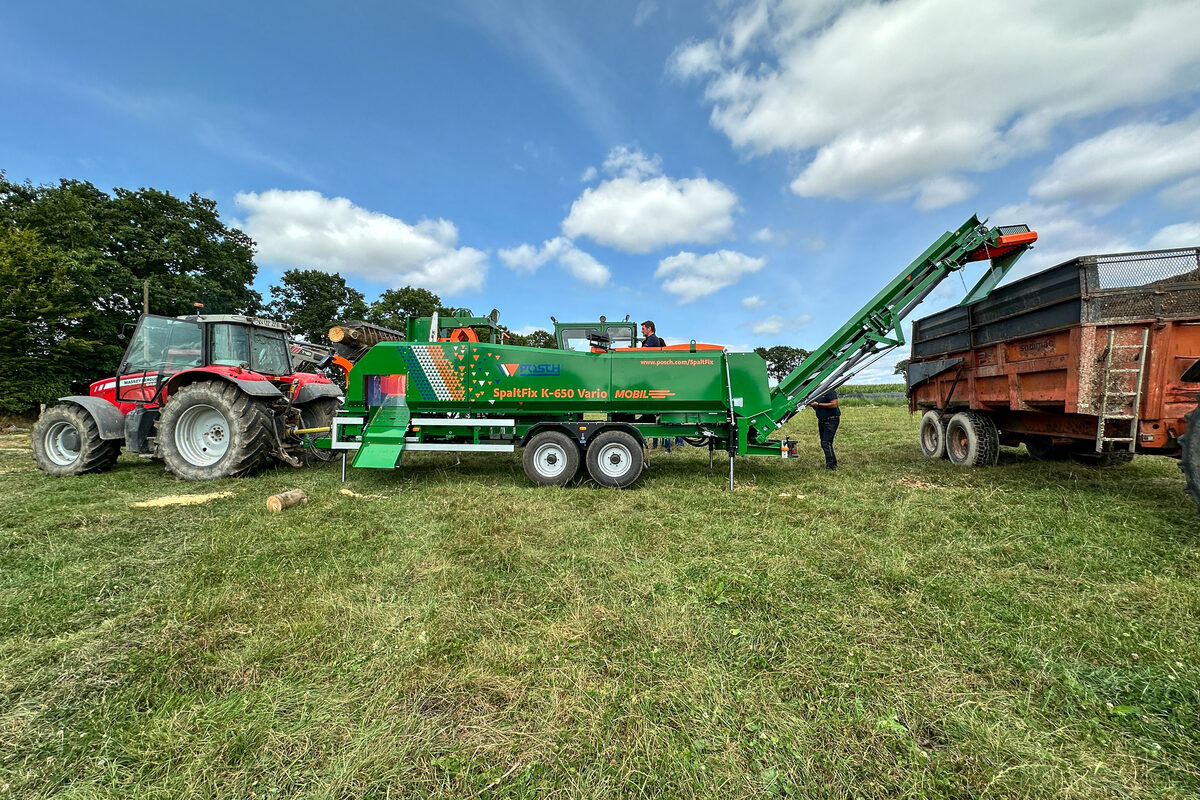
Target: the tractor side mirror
(126, 329)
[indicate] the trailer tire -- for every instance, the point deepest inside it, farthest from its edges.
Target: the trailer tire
(614, 459)
(1043, 448)
(551, 458)
(66, 441)
(1189, 460)
(933, 435)
(972, 440)
(212, 430)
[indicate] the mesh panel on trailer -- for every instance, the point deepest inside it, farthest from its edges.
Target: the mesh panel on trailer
(1126, 270)
(1162, 284)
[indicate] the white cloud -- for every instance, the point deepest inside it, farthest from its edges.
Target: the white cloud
(753, 302)
(1183, 234)
(588, 175)
(764, 235)
(690, 276)
(308, 230)
(1184, 193)
(639, 209)
(528, 259)
(645, 10)
(882, 96)
(1121, 162)
(775, 324)
(528, 329)
(942, 191)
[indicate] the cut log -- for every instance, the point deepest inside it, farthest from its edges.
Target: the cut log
(294, 497)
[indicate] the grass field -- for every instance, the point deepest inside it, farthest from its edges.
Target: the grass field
(899, 628)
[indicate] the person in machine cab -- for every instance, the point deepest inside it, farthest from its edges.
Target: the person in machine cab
(649, 337)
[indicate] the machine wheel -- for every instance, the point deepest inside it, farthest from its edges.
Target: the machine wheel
(1043, 448)
(213, 430)
(1109, 458)
(1189, 461)
(933, 435)
(614, 459)
(551, 459)
(66, 441)
(972, 440)
(318, 413)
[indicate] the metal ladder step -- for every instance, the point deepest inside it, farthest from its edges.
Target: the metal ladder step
(1116, 439)
(1131, 369)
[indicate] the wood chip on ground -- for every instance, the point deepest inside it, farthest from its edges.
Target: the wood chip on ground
(351, 493)
(917, 483)
(180, 500)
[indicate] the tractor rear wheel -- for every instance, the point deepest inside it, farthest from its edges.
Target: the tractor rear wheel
(972, 440)
(1189, 461)
(614, 459)
(213, 430)
(318, 413)
(66, 441)
(551, 458)
(933, 435)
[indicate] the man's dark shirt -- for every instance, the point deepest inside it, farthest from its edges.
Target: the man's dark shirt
(826, 413)
(653, 341)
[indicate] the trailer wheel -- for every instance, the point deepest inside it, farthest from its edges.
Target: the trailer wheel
(614, 459)
(66, 441)
(213, 430)
(1189, 461)
(933, 435)
(1043, 448)
(972, 440)
(551, 459)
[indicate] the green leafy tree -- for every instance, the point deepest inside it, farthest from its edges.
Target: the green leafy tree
(121, 241)
(902, 369)
(395, 306)
(46, 322)
(781, 359)
(311, 301)
(541, 338)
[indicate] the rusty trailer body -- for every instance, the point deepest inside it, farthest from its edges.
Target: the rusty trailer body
(1098, 358)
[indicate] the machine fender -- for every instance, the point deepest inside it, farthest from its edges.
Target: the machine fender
(924, 370)
(108, 417)
(584, 430)
(264, 389)
(313, 391)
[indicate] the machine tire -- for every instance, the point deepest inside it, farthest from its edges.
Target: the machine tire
(614, 459)
(318, 413)
(212, 430)
(933, 435)
(1189, 460)
(972, 440)
(66, 441)
(1042, 448)
(551, 458)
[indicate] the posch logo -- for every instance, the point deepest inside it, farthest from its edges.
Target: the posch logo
(536, 370)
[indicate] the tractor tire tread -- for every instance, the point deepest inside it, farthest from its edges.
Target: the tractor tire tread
(253, 422)
(1189, 461)
(96, 454)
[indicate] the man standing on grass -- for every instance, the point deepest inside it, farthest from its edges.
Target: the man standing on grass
(829, 416)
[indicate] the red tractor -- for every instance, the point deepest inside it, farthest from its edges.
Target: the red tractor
(213, 396)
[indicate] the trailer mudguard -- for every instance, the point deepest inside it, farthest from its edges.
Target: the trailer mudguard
(383, 438)
(108, 417)
(924, 370)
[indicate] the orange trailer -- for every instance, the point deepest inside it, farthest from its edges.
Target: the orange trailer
(1096, 359)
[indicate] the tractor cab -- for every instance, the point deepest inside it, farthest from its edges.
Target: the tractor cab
(164, 346)
(586, 337)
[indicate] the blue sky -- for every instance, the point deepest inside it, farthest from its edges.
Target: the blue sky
(746, 173)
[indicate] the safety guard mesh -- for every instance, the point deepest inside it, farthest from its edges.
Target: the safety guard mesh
(1163, 284)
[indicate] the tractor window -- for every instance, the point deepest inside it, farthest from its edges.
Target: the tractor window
(228, 345)
(574, 339)
(163, 344)
(270, 353)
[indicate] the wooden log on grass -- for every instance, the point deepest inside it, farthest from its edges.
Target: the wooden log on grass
(293, 497)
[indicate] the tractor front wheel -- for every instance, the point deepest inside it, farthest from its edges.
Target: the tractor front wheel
(66, 441)
(213, 430)
(1189, 460)
(614, 459)
(551, 459)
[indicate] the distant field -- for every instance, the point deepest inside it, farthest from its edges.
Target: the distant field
(898, 628)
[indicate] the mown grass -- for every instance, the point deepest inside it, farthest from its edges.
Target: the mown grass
(899, 628)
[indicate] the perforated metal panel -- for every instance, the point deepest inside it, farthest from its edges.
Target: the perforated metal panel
(1159, 284)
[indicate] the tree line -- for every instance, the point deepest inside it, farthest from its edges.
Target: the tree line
(76, 260)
